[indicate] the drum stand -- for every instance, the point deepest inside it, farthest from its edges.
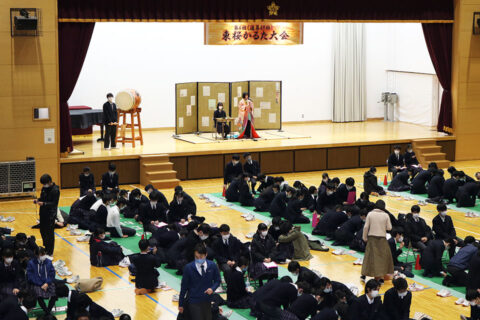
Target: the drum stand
(123, 126)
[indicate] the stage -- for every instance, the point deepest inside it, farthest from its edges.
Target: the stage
(313, 146)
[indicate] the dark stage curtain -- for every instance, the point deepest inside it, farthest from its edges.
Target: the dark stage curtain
(411, 10)
(439, 42)
(73, 42)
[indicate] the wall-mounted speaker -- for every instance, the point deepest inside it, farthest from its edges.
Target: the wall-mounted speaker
(24, 22)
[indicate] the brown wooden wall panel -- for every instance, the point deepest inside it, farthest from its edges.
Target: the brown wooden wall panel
(342, 158)
(310, 159)
(200, 167)
(448, 146)
(374, 155)
(277, 161)
(128, 171)
(228, 157)
(180, 165)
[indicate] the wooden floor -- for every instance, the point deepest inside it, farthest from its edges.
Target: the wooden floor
(118, 291)
(321, 134)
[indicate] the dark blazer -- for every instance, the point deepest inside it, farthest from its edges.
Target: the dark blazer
(231, 172)
(473, 276)
(394, 307)
(395, 252)
(419, 182)
(362, 310)
(443, 230)
(231, 252)
(194, 285)
(307, 275)
(431, 258)
(342, 193)
(10, 310)
(352, 225)
(330, 222)
(98, 312)
(265, 183)
(165, 237)
(394, 161)
(253, 168)
(218, 114)
(111, 253)
(450, 188)
(109, 181)
(12, 274)
(86, 183)
(278, 206)
(109, 113)
(400, 182)
(326, 202)
(85, 203)
(147, 274)
(100, 216)
(72, 305)
(179, 211)
(147, 214)
(49, 196)
(304, 306)
(467, 194)
(262, 248)
(280, 294)
(415, 231)
(410, 159)
(435, 187)
(232, 193)
(263, 201)
(329, 299)
(236, 288)
(370, 183)
(244, 196)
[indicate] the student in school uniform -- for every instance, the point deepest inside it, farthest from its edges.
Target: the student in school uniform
(263, 201)
(467, 194)
(417, 231)
(80, 209)
(200, 280)
(252, 167)
(370, 182)
(294, 212)
(397, 301)
(113, 220)
(473, 296)
(293, 234)
(95, 311)
(444, 228)
(12, 278)
(153, 212)
(40, 277)
(473, 276)
(410, 157)
(99, 219)
(146, 263)
(419, 182)
(328, 288)
(179, 210)
(245, 197)
(110, 119)
(368, 305)
(396, 239)
(396, 162)
(330, 222)
(305, 305)
(304, 274)
(135, 199)
(435, 187)
(86, 181)
(17, 307)
(162, 200)
(232, 170)
(102, 253)
(238, 296)
(262, 249)
(280, 293)
(188, 200)
(401, 182)
(325, 181)
(431, 257)
(310, 200)
(199, 235)
(110, 179)
(458, 265)
(228, 249)
(343, 191)
(278, 207)
(363, 201)
(347, 230)
(451, 186)
(232, 194)
(327, 199)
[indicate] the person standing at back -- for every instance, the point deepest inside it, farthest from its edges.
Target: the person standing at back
(110, 119)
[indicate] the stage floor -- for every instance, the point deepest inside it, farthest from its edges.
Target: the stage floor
(317, 134)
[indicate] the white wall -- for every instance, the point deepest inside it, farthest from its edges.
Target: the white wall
(152, 57)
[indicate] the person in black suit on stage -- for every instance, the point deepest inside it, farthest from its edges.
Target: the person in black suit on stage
(87, 182)
(110, 119)
(253, 168)
(110, 179)
(220, 113)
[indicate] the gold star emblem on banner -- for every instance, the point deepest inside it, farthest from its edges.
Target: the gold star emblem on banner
(273, 9)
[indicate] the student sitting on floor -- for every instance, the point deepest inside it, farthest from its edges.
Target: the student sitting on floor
(96, 312)
(368, 305)
(278, 207)
(80, 210)
(451, 186)
(146, 263)
(135, 199)
(245, 197)
(435, 187)
(473, 296)
(162, 199)
(363, 201)
(444, 228)
(232, 170)
(344, 190)
(232, 194)
(238, 296)
(265, 182)
(199, 235)
(370, 183)
(327, 199)
(467, 194)
(293, 234)
(419, 182)
(263, 250)
(347, 230)
(263, 201)
(277, 294)
(102, 253)
(180, 209)
(12, 278)
(473, 277)
(310, 200)
(113, 220)
(330, 222)
(397, 301)
(17, 307)
(110, 179)
(86, 182)
(40, 276)
(99, 218)
(328, 289)
(397, 239)
(188, 200)
(304, 274)
(431, 258)
(294, 208)
(458, 264)
(228, 249)
(417, 230)
(401, 181)
(252, 168)
(153, 212)
(396, 162)
(274, 229)
(304, 306)
(411, 160)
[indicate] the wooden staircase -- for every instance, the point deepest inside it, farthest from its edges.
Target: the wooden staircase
(157, 170)
(428, 151)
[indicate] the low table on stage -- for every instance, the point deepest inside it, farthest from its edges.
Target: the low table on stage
(224, 121)
(83, 119)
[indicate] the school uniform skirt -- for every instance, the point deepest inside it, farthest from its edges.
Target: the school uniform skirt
(259, 270)
(6, 289)
(40, 293)
(378, 259)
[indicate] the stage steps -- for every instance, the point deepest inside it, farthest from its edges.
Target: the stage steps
(157, 170)
(428, 151)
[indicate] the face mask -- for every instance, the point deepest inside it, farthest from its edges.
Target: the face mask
(138, 199)
(225, 237)
(473, 303)
(416, 215)
(329, 193)
(397, 152)
(349, 188)
(400, 239)
(325, 180)
(327, 290)
(264, 233)
(276, 228)
(8, 260)
(102, 236)
(374, 294)
(110, 100)
(402, 294)
(443, 213)
(299, 294)
(42, 258)
(203, 237)
(46, 186)
(244, 270)
(112, 204)
(220, 108)
(295, 274)
(289, 196)
(199, 261)
(86, 174)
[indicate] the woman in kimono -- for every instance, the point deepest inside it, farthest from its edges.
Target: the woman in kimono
(245, 120)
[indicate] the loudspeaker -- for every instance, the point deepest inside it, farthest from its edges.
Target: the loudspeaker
(25, 23)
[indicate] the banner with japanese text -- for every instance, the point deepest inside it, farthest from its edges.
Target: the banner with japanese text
(267, 33)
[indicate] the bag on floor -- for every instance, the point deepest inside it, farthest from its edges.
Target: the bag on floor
(89, 285)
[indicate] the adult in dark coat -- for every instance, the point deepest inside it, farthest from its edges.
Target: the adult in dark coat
(370, 182)
(396, 162)
(48, 204)
(110, 121)
(401, 181)
(86, 181)
(110, 179)
(419, 182)
(232, 170)
(263, 201)
(252, 167)
(467, 194)
(232, 194)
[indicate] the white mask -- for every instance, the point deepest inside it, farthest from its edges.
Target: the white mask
(473, 303)
(110, 99)
(416, 215)
(42, 258)
(264, 233)
(327, 290)
(329, 193)
(225, 237)
(397, 152)
(8, 260)
(402, 294)
(203, 237)
(443, 213)
(374, 294)
(400, 239)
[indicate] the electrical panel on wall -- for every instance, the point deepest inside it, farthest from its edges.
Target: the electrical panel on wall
(24, 22)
